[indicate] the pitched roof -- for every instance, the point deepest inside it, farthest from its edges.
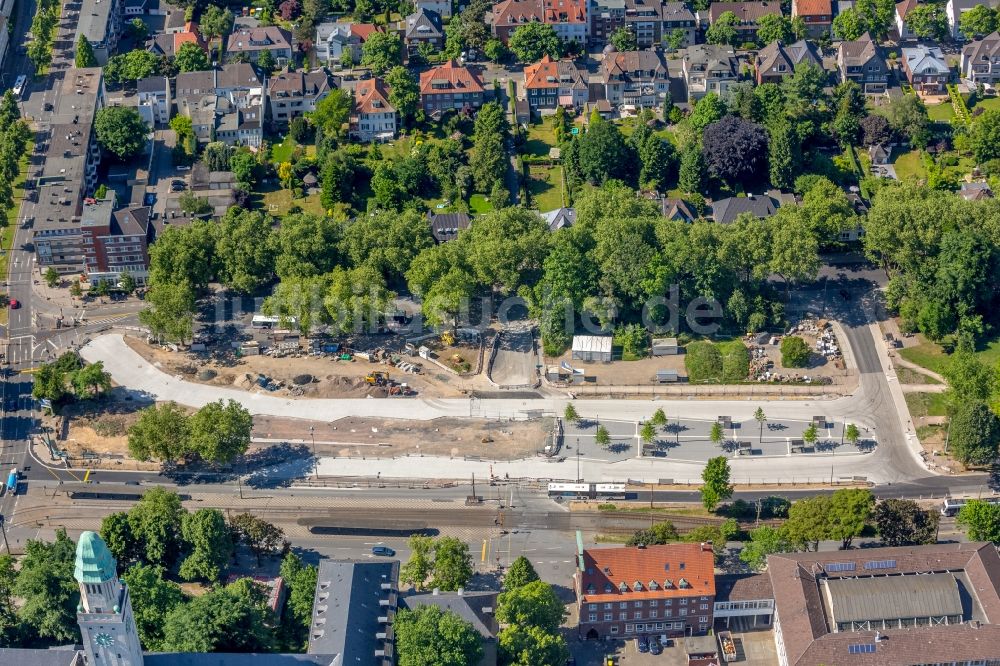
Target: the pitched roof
(132, 221)
(549, 73)
(725, 211)
(923, 59)
(365, 30)
(445, 226)
(741, 587)
(300, 83)
(797, 578)
(346, 608)
(812, 7)
(669, 569)
(905, 7)
(987, 47)
(860, 51)
(517, 12)
(371, 96)
(255, 39)
(976, 191)
(677, 11)
(676, 209)
(777, 53)
(457, 77)
(476, 608)
(746, 12)
(423, 24)
(627, 62)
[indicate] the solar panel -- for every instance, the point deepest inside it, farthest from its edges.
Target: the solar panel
(840, 566)
(861, 648)
(881, 564)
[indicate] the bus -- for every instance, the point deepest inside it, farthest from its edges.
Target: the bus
(265, 322)
(19, 86)
(12, 481)
(952, 506)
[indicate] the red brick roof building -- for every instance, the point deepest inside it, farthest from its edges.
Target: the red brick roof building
(567, 17)
(654, 590)
(450, 86)
(817, 15)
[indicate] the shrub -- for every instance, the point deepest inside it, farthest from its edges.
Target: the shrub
(794, 352)
(703, 362)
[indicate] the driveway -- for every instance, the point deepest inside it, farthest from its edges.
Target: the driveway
(514, 365)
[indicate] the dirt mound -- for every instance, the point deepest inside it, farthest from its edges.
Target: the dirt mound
(302, 379)
(207, 375)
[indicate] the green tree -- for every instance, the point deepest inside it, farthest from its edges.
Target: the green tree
(85, 53)
(301, 579)
(155, 522)
(534, 604)
(760, 417)
(723, 30)
(161, 432)
(386, 241)
(220, 431)
(795, 249)
(692, 171)
(603, 437)
(215, 21)
(717, 434)
(429, 636)
(810, 435)
(52, 277)
(404, 93)
(91, 380)
(452, 564)
(974, 433)
(332, 112)
(45, 583)
(300, 299)
(120, 131)
(233, 618)
(848, 25)
(418, 568)
(495, 50)
(245, 250)
(908, 116)
(244, 165)
(623, 39)
(210, 542)
(808, 522)
(355, 300)
(570, 415)
(850, 509)
(783, 156)
(604, 154)
(117, 534)
(529, 42)
(126, 282)
(9, 626)
(532, 646)
(764, 541)
(307, 245)
(773, 28)
(795, 352)
(852, 434)
(716, 487)
(260, 536)
(266, 61)
(192, 58)
(648, 432)
(444, 300)
(381, 52)
(979, 21)
(709, 109)
(985, 132)
(903, 523)
(153, 598)
(928, 21)
(659, 418)
(138, 29)
(981, 521)
(170, 314)
(519, 573)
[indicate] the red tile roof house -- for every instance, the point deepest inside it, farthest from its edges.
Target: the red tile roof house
(888, 606)
(817, 15)
(748, 13)
(567, 17)
(450, 86)
(552, 83)
(654, 590)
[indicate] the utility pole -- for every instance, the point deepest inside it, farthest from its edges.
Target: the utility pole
(3, 528)
(578, 460)
(312, 435)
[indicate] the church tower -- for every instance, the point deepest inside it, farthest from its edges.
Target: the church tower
(105, 611)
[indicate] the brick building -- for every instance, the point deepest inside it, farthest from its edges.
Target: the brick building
(632, 591)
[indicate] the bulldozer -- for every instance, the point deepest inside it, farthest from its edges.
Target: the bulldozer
(377, 378)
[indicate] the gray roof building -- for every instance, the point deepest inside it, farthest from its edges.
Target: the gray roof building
(353, 610)
(100, 21)
(423, 25)
(476, 608)
(445, 226)
(725, 211)
(776, 60)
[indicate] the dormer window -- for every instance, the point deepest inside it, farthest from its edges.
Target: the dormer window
(637, 586)
(622, 587)
(683, 584)
(591, 589)
(607, 588)
(668, 584)
(653, 585)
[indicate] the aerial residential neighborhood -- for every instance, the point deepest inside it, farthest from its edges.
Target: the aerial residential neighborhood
(526, 333)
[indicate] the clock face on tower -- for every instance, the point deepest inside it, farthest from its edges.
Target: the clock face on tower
(105, 640)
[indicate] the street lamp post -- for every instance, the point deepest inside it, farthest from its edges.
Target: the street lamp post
(3, 528)
(312, 435)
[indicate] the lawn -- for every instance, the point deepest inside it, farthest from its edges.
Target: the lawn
(909, 165)
(279, 202)
(282, 152)
(545, 186)
(942, 113)
(926, 404)
(541, 137)
(927, 354)
(479, 204)
(988, 103)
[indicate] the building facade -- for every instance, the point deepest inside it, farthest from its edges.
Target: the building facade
(861, 61)
(816, 14)
(981, 61)
(154, 100)
(291, 94)
(450, 87)
(549, 84)
(373, 118)
(250, 42)
(567, 17)
(708, 68)
(925, 69)
(776, 61)
(100, 21)
(634, 591)
(635, 79)
(748, 13)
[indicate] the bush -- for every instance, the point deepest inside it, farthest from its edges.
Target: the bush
(794, 352)
(634, 340)
(717, 363)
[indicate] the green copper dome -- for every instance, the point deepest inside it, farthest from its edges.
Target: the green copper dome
(94, 562)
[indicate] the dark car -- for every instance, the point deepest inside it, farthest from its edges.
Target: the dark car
(383, 551)
(642, 644)
(655, 647)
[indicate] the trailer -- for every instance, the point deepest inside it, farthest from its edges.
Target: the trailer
(12, 481)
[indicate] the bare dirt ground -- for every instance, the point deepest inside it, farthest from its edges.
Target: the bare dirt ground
(623, 373)
(329, 378)
(95, 433)
(386, 438)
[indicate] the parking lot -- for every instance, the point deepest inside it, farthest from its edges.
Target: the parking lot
(754, 648)
(690, 439)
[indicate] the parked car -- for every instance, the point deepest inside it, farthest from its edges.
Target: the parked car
(666, 642)
(383, 551)
(655, 647)
(642, 644)
(14, 304)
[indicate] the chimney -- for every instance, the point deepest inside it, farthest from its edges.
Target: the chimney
(706, 546)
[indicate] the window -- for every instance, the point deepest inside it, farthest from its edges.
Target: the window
(608, 617)
(593, 617)
(638, 604)
(703, 619)
(629, 628)
(653, 603)
(637, 615)
(623, 616)
(614, 629)
(653, 613)
(623, 605)
(703, 607)
(592, 607)
(683, 602)
(607, 605)
(668, 602)
(684, 612)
